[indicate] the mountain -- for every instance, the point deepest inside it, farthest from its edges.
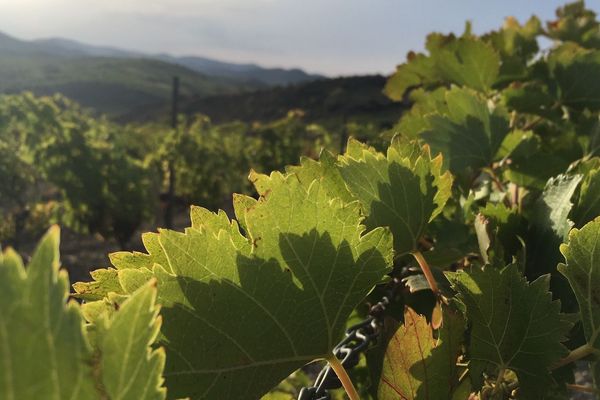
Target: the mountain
(115, 82)
(251, 73)
(72, 47)
(109, 84)
(245, 73)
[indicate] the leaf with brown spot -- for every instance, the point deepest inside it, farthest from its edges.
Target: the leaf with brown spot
(418, 365)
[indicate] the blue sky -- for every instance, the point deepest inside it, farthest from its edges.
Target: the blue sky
(327, 36)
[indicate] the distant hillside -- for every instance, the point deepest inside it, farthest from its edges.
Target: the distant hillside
(72, 47)
(250, 73)
(326, 101)
(116, 82)
(246, 73)
(110, 85)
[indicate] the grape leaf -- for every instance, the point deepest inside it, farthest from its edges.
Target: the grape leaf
(424, 102)
(530, 165)
(552, 208)
(588, 203)
(453, 241)
(243, 312)
(516, 45)
(404, 189)
(518, 143)
(577, 24)
(531, 98)
(324, 169)
(419, 366)
(576, 70)
(499, 230)
(418, 69)
(469, 135)
(582, 269)
(550, 224)
(516, 326)
(468, 62)
(104, 282)
(45, 352)
(464, 61)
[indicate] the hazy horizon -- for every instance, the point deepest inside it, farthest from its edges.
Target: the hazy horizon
(337, 37)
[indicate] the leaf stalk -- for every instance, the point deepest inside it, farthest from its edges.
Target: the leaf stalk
(574, 355)
(497, 387)
(341, 373)
(581, 388)
(426, 271)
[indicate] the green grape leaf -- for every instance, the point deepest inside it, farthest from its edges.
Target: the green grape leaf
(530, 166)
(243, 312)
(576, 71)
(468, 62)
(424, 102)
(531, 98)
(469, 135)
(45, 350)
(534, 171)
(499, 230)
(588, 203)
(453, 241)
(404, 189)
(516, 326)
(516, 45)
(326, 170)
(130, 369)
(552, 208)
(464, 61)
(418, 365)
(550, 224)
(582, 269)
(518, 143)
(576, 24)
(104, 282)
(418, 69)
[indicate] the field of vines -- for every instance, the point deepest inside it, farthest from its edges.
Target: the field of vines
(453, 256)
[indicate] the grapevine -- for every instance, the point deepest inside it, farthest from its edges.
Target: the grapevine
(473, 234)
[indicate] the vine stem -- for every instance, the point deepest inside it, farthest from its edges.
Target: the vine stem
(580, 388)
(426, 271)
(499, 379)
(341, 373)
(577, 354)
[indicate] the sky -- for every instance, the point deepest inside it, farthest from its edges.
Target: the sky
(333, 37)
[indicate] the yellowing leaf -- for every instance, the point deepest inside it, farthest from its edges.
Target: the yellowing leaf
(418, 365)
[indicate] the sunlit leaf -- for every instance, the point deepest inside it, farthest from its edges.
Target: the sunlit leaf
(243, 312)
(404, 189)
(582, 269)
(47, 353)
(470, 135)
